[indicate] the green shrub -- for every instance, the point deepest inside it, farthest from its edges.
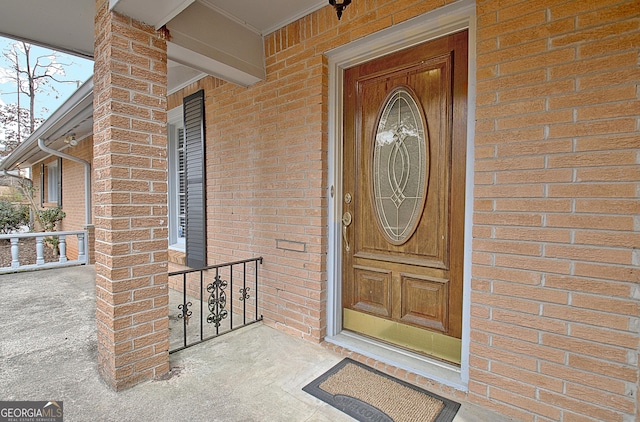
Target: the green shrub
(12, 216)
(50, 217)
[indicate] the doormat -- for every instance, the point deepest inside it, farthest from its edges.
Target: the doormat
(367, 394)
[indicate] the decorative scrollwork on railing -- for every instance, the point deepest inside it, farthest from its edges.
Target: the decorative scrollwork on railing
(244, 294)
(217, 301)
(186, 313)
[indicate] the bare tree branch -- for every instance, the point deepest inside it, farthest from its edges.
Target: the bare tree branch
(31, 76)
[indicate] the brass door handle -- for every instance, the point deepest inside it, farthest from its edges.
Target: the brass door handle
(346, 222)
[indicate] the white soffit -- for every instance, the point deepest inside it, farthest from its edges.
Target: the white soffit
(157, 13)
(64, 27)
(209, 66)
(205, 39)
(179, 76)
(265, 16)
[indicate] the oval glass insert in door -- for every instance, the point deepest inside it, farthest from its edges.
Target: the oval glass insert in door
(400, 166)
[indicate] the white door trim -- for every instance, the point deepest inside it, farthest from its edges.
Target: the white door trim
(438, 23)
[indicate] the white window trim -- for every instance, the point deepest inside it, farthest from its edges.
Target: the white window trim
(174, 122)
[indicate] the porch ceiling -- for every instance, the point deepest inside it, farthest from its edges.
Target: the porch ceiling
(219, 37)
(235, 55)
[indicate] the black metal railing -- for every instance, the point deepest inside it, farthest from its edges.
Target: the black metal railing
(209, 292)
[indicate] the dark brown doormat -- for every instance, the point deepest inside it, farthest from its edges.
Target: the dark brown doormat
(370, 395)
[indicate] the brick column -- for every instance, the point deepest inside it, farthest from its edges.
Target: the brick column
(130, 188)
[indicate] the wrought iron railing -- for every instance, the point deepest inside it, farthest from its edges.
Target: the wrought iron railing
(41, 238)
(223, 297)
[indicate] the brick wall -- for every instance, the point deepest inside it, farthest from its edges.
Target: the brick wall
(555, 294)
(73, 188)
(73, 193)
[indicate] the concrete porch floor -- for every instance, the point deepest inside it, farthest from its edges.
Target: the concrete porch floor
(48, 352)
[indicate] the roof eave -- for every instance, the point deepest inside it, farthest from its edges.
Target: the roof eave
(74, 106)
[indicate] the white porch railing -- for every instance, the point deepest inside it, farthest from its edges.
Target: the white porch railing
(62, 261)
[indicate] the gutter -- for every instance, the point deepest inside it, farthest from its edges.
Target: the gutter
(87, 176)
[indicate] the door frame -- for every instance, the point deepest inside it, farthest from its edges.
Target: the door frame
(438, 23)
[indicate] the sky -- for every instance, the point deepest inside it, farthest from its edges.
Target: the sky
(79, 71)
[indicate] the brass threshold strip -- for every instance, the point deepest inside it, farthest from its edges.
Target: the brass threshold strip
(425, 342)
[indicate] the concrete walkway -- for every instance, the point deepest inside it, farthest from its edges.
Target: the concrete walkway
(48, 352)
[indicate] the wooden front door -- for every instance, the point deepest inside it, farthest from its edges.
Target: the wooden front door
(405, 119)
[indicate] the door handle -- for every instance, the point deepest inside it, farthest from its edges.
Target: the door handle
(346, 222)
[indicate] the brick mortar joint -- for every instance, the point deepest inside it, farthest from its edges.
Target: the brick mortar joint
(129, 75)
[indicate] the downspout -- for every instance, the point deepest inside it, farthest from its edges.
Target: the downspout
(87, 176)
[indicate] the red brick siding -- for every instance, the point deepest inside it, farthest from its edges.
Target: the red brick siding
(73, 192)
(554, 316)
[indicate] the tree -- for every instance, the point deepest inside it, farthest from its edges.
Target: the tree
(16, 122)
(31, 75)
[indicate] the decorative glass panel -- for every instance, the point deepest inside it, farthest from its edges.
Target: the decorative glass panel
(400, 166)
